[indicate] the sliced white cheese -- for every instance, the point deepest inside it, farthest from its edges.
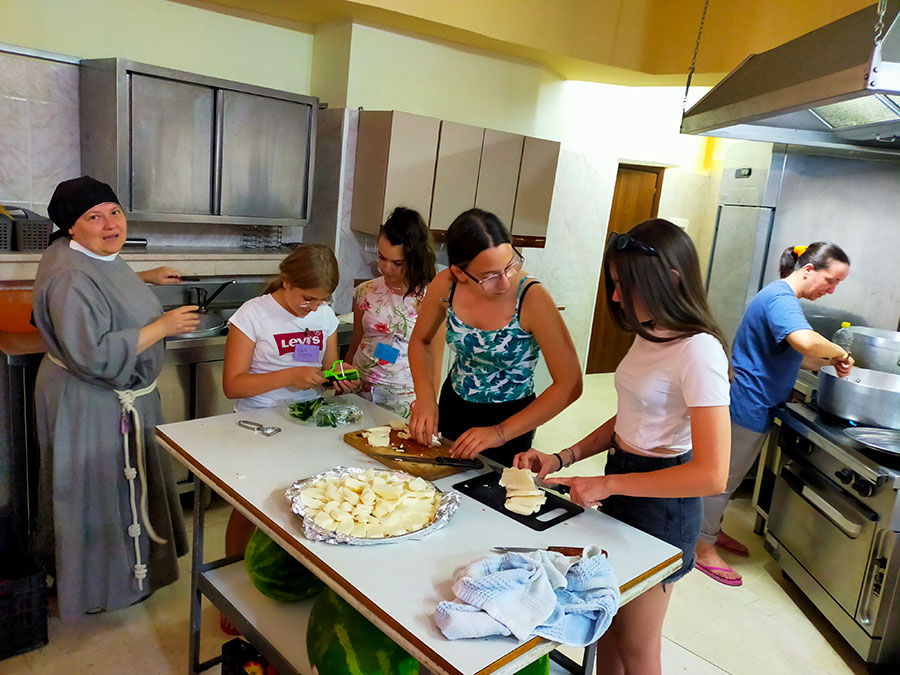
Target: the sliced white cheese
(524, 493)
(517, 479)
(399, 425)
(524, 505)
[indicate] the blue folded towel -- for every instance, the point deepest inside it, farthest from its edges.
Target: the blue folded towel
(567, 600)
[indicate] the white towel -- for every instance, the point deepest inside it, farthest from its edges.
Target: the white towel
(563, 599)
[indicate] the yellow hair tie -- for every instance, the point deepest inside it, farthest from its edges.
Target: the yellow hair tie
(800, 250)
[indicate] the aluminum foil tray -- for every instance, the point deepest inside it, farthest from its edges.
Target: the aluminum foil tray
(449, 502)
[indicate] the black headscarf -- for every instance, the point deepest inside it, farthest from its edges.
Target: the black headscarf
(73, 198)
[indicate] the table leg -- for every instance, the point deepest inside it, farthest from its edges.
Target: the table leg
(196, 563)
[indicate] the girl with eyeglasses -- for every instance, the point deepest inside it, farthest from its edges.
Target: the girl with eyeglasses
(498, 320)
(385, 311)
(278, 343)
(668, 444)
(276, 347)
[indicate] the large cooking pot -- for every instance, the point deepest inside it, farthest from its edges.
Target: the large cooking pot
(874, 348)
(865, 396)
(211, 323)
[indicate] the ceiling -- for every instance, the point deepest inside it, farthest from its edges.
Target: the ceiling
(637, 42)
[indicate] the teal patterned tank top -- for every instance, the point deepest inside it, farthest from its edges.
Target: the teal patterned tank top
(492, 366)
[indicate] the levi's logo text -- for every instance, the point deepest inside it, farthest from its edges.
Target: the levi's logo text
(287, 342)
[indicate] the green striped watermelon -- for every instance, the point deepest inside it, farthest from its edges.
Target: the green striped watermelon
(341, 641)
(275, 573)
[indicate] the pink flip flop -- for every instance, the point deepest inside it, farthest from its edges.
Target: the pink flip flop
(708, 570)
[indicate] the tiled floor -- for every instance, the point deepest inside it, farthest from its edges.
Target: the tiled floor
(765, 626)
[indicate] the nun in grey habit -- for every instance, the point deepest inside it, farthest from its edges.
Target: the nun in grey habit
(110, 523)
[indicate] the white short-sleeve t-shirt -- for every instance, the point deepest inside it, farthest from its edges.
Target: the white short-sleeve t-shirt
(276, 333)
(658, 381)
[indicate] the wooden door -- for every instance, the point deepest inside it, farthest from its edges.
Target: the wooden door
(635, 199)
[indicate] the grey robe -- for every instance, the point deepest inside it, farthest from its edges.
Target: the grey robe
(90, 312)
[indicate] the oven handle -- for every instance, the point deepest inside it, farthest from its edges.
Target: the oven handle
(849, 527)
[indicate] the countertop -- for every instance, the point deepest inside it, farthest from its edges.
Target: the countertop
(399, 584)
(14, 346)
(169, 253)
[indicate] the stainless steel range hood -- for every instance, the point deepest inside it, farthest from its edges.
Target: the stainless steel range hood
(833, 88)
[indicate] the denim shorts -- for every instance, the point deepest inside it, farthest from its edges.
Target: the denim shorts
(675, 520)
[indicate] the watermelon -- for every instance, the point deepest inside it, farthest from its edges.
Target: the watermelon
(275, 573)
(341, 641)
(539, 667)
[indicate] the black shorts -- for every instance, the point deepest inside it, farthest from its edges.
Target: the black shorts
(457, 415)
(675, 520)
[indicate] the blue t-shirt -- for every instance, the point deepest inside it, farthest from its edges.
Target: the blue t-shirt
(765, 365)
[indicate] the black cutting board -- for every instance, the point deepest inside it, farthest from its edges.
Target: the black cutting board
(487, 490)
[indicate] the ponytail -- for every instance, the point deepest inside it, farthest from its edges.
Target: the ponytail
(819, 254)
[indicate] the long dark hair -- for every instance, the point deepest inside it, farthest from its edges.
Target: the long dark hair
(307, 266)
(819, 254)
(472, 232)
(407, 228)
(668, 283)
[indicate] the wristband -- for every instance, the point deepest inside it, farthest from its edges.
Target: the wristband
(571, 455)
(559, 459)
(499, 430)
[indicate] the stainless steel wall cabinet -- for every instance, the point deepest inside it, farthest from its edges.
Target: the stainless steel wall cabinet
(183, 148)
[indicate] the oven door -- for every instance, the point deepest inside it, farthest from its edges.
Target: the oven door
(825, 529)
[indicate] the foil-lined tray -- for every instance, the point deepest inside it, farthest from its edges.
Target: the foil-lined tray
(449, 502)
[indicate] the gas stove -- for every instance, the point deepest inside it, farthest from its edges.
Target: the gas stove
(834, 527)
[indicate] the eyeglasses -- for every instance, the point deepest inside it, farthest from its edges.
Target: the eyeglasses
(627, 242)
(492, 282)
(309, 303)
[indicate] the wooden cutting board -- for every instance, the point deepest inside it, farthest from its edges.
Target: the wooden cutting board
(426, 471)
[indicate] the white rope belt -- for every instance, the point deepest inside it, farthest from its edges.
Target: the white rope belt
(127, 398)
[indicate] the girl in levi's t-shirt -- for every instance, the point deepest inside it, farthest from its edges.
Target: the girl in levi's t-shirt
(669, 442)
(276, 347)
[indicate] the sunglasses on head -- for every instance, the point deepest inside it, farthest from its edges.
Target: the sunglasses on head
(627, 242)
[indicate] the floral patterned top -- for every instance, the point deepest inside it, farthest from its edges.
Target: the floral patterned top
(492, 366)
(388, 320)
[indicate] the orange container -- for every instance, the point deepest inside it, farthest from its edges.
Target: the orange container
(15, 310)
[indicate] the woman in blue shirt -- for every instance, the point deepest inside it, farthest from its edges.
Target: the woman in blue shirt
(773, 341)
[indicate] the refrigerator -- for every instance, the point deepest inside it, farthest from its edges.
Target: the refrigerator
(751, 180)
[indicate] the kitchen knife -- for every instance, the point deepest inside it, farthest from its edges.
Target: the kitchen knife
(565, 550)
(443, 461)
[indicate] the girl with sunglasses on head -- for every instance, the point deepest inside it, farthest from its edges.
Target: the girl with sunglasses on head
(499, 320)
(668, 443)
(385, 311)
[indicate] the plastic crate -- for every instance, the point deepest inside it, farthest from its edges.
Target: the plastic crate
(5, 234)
(32, 235)
(240, 657)
(23, 614)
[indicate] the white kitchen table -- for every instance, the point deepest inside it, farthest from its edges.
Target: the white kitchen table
(397, 586)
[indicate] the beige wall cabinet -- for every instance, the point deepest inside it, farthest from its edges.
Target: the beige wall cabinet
(537, 175)
(498, 177)
(456, 174)
(395, 159)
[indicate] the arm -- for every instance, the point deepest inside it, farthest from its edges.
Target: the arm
(436, 353)
(542, 319)
(423, 422)
(160, 276)
(238, 382)
(705, 474)
(819, 352)
(175, 321)
(357, 333)
(542, 463)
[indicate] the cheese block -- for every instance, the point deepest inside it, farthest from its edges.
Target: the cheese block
(524, 493)
(378, 437)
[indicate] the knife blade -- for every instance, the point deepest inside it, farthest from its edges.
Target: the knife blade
(443, 461)
(565, 550)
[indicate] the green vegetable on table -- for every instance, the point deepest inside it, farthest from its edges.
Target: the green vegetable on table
(303, 410)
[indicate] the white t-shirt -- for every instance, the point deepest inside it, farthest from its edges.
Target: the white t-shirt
(276, 333)
(658, 381)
